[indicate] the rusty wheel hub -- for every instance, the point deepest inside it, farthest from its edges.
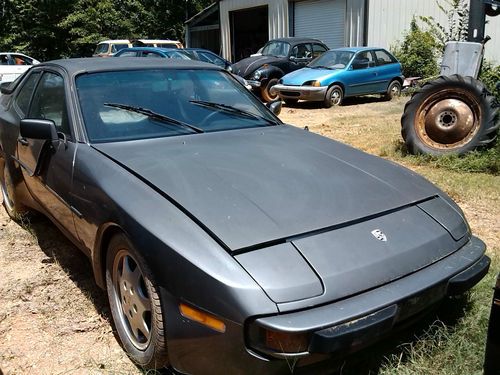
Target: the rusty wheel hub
(448, 123)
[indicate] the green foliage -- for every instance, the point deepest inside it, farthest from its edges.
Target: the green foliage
(490, 76)
(417, 53)
(50, 29)
(479, 161)
(457, 12)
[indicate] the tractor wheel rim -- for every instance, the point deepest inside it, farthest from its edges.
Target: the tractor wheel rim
(448, 120)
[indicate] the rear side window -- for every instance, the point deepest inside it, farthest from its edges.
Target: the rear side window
(150, 54)
(23, 97)
(384, 58)
(49, 101)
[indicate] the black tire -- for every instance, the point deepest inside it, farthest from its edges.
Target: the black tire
(14, 209)
(134, 299)
(334, 96)
(266, 93)
(453, 114)
(393, 91)
(291, 102)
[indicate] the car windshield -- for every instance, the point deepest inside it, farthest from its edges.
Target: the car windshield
(278, 49)
(332, 60)
(140, 104)
(178, 55)
(101, 48)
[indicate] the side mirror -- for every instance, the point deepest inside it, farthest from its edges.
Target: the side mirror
(229, 68)
(275, 106)
(5, 88)
(38, 129)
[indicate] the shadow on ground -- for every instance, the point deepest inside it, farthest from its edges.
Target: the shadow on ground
(357, 100)
(366, 362)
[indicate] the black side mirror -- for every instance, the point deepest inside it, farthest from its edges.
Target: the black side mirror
(275, 106)
(5, 88)
(38, 129)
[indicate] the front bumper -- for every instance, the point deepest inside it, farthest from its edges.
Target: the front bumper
(253, 84)
(300, 92)
(350, 324)
(334, 330)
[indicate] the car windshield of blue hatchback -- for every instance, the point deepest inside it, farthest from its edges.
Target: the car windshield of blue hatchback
(332, 60)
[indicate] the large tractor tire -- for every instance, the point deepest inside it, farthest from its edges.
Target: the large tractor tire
(452, 114)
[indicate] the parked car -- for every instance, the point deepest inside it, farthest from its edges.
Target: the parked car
(342, 73)
(160, 43)
(278, 57)
(153, 52)
(13, 64)
(205, 55)
(108, 48)
(184, 54)
(227, 241)
(492, 359)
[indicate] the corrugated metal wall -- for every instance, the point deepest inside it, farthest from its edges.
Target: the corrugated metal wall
(321, 19)
(389, 19)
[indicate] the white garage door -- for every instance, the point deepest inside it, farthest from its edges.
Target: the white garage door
(321, 19)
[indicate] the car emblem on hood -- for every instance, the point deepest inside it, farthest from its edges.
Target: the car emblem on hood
(379, 235)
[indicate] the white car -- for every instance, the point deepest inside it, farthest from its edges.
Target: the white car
(13, 64)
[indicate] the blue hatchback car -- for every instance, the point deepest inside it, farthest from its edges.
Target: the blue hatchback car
(341, 73)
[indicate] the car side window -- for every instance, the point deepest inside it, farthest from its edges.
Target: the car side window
(4, 60)
(318, 50)
(363, 60)
(128, 54)
(383, 58)
(23, 97)
(301, 51)
(21, 60)
(49, 101)
(150, 54)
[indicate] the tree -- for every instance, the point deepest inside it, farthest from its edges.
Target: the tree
(418, 52)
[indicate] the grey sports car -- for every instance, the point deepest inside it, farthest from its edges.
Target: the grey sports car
(227, 241)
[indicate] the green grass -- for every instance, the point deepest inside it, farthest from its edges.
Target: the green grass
(479, 161)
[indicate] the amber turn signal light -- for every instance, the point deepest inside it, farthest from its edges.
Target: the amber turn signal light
(202, 317)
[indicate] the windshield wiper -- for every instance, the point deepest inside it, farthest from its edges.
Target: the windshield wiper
(320, 67)
(232, 110)
(155, 116)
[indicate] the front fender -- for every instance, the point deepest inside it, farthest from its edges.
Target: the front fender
(184, 258)
(268, 72)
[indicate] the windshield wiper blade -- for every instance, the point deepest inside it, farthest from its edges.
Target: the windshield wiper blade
(320, 67)
(154, 115)
(228, 109)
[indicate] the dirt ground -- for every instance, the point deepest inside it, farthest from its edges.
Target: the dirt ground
(54, 319)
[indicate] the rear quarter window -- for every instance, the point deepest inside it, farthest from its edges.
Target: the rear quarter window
(23, 97)
(384, 58)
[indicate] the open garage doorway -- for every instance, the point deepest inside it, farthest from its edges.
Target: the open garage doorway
(249, 31)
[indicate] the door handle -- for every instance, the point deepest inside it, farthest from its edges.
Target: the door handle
(23, 141)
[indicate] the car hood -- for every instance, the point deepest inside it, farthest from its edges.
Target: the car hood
(251, 64)
(258, 186)
(298, 77)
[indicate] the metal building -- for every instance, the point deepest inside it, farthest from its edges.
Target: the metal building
(237, 28)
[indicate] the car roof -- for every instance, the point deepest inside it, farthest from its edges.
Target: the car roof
(124, 41)
(158, 41)
(295, 40)
(151, 49)
(357, 49)
(99, 64)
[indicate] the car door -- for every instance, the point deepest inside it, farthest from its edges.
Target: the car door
(9, 70)
(47, 166)
(364, 76)
(388, 68)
